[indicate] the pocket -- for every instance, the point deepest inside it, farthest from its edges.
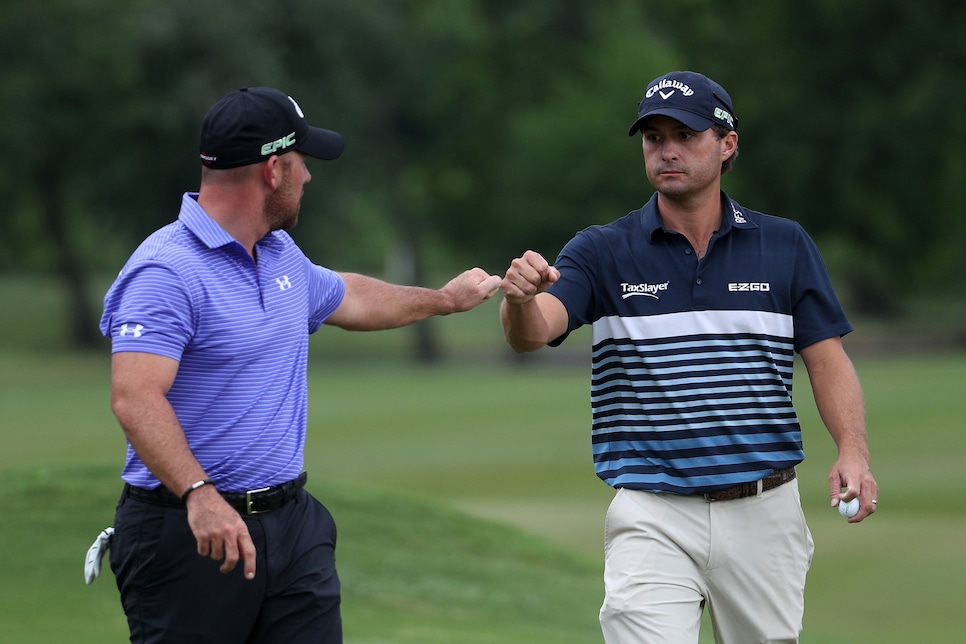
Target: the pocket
(613, 520)
(326, 519)
(134, 523)
(807, 543)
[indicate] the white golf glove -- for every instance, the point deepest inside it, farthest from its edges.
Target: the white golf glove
(92, 564)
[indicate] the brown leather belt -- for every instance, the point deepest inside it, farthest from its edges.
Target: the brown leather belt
(770, 482)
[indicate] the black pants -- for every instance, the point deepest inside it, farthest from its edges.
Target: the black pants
(172, 594)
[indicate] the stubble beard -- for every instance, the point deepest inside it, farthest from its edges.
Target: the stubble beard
(680, 186)
(282, 206)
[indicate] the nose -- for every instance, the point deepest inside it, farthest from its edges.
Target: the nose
(669, 150)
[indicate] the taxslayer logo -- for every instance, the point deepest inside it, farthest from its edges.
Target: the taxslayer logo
(647, 290)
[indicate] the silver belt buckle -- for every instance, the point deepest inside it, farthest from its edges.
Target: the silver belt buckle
(248, 500)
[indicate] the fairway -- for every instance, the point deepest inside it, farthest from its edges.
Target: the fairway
(401, 453)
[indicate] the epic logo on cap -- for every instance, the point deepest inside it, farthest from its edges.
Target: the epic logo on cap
(724, 115)
(280, 144)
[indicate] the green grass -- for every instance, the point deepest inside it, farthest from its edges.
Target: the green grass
(413, 571)
(467, 505)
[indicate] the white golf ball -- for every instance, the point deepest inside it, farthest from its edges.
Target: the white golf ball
(849, 509)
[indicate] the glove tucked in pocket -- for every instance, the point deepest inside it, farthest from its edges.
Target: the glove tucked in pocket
(92, 564)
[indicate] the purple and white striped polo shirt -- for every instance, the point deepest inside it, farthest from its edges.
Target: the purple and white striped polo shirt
(240, 331)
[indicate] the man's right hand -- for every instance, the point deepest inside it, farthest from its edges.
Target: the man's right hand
(220, 531)
(527, 276)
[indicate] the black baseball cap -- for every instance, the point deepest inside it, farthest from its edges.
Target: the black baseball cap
(253, 123)
(689, 97)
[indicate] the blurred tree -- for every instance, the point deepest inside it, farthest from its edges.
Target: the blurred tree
(58, 128)
(102, 106)
(449, 91)
(569, 162)
(850, 124)
(479, 128)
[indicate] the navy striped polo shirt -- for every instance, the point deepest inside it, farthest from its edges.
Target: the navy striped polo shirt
(240, 331)
(691, 385)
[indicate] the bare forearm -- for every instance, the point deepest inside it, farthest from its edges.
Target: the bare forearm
(371, 304)
(524, 327)
(838, 396)
(392, 305)
(139, 386)
(839, 399)
(154, 432)
(843, 412)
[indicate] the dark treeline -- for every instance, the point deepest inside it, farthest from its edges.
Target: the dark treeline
(479, 128)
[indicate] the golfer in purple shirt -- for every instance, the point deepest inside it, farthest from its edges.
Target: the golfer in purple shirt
(215, 538)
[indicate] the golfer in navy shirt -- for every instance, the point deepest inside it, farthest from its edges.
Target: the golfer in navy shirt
(215, 538)
(698, 306)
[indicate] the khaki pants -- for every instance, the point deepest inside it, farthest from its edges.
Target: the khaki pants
(666, 556)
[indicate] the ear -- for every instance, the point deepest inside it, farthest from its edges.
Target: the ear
(272, 172)
(729, 144)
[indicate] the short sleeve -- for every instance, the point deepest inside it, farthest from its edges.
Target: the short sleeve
(326, 290)
(816, 310)
(148, 309)
(575, 288)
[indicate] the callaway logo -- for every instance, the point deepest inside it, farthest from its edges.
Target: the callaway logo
(668, 84)
(649, 290)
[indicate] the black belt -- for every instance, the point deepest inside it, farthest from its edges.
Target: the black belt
(257, 501)
(770, 482)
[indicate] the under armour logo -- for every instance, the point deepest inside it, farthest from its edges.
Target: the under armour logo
(135, 331)
(284, 283)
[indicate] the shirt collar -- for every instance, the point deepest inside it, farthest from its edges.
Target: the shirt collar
(736, 218)
(206, 229)
(733, 216)
(650, 220)
(194, 217)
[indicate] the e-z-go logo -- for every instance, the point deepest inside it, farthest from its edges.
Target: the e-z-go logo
(747, 287)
